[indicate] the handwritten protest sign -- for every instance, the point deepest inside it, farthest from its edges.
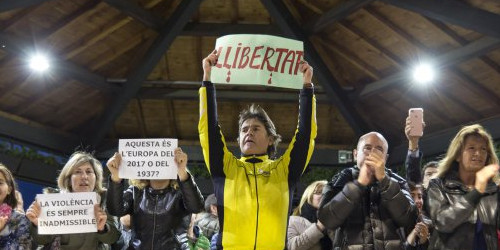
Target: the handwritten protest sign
(258, 60)
(67, 213)
(147, 158)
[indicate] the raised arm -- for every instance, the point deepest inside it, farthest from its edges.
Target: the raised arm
(118, 202)
(414, 156)
(300, 150)
(211, 138)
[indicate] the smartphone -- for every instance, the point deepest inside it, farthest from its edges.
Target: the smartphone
(416, 119)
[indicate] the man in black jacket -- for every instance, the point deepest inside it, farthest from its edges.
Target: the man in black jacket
(367, 204)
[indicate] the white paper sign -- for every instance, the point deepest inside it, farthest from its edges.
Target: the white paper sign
(147, 158)
(67, 213)
(258, 60)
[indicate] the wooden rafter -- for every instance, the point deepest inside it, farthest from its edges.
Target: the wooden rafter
(137, 12)
(454, 12)
(170, 30)
(18, 47)
(334, 15)
(17, 4)
(291, 28)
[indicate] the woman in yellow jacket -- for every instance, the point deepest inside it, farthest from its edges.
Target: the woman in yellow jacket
(254, 192)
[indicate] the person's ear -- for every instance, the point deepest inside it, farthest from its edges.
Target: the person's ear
(386, 157)
(355, 153)
(271, 140)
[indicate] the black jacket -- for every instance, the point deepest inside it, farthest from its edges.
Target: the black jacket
(155, 214)
(454, 210)
(367, 217)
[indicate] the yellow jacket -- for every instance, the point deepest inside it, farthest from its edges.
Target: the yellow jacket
(254, 194)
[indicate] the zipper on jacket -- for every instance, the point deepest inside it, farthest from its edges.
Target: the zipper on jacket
(256, 195)
(154, 224)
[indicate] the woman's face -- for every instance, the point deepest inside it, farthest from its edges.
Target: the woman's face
(83, 178)
(4, 188)
(416, 194)
(318, 193)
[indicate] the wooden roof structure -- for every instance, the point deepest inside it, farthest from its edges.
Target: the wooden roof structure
(132, 68)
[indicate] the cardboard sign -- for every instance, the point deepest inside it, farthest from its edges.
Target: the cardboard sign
(67, 213)
(147, 159)
(258, 60)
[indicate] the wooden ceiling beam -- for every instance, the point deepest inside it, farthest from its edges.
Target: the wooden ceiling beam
(9, 5)
(334, 15)
(454, 12)
(221, 29)
(21, 48)
(399, 62)
(460, 40)
(137, 12)
(351, 57)
(337, 95)
(453, 57)
(387, 54)
(34, 134)
(170, 30)
(479, 90)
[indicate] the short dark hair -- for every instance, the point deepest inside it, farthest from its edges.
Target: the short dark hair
(413, 186)
(209, 201)
(431, 164)
(256, 112)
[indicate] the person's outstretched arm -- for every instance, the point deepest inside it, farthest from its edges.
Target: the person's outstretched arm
(211, 139)
(301, 147)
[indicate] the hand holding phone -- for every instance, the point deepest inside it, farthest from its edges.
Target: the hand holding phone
(417, 121)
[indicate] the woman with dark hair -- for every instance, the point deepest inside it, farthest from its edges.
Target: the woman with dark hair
(82, 173)
(156, 207)
(14, 226)
(419, 236)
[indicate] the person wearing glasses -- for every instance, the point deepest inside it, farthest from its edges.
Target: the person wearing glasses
(368, 204)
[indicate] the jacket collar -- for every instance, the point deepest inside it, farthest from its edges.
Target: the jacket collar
(254, 158)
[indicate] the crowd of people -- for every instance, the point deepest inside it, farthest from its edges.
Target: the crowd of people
(447, 204)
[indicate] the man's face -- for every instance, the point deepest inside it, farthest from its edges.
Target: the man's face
(473, 155)
(428, 173)
(371, 144)
(254, 139)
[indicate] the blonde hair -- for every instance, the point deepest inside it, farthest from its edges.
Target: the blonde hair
(307, 196)
(76, 160)
(457, 144)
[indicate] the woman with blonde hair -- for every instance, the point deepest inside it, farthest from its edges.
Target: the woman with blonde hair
(305, 231)
(82, 173)
(463, 199)
(156, 207)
